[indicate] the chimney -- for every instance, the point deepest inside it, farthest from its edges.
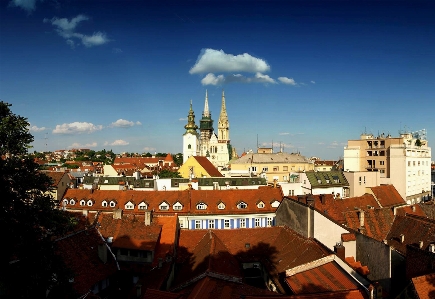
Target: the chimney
(361, 218)
(322, 198)
(274, 183)
(413, 208)
(402, 238)
(310, 199)
(117, 214)
(420, 244)
(432, 248)
(340, 250)
(148, 218)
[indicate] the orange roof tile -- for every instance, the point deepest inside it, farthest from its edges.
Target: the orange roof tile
(377, 222)
(325, 278)
(425, 286)
(387, 196)
(208, 166)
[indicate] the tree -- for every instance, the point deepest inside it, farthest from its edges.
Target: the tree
(28, 216)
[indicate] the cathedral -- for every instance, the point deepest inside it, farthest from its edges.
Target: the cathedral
(216, 147)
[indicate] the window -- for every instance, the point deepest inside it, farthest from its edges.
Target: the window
(189, 146)
(257, 222)
(276, 168)
(265, 169)
(104, 203)
(221, 206)
(285, 168)
(177, 206)
(143, 206)
(381, 162)
(82, 203)
(90, 203)
(409, 163)
(382, 170)
(269, 221)
(129, 206)
(253, 168)
(181, 221)
(201, 206)
(226, 223)
(243, 223)
(112, 204)
(260, 205)
(291, 192)
(242, 205)
(164, 206)
(211, 224)
(198, 224)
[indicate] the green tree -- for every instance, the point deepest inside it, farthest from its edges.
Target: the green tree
(28, 216)
(167, 173)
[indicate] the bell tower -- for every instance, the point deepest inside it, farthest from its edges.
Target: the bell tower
(223, 124)
(190, 137)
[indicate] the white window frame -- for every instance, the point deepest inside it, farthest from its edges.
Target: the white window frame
(227, 223)
(177, 206)
(112, 204)
(257, 222)
(89, 203)
(201, 206)
(83, 202)
(261, 205)
(104, 204)
(211, 224)
(242, 205)
(198, 224)
(143, 206)
(164, 206)
(242, 223)
(129, 206)
(221, 206)
(269, 221)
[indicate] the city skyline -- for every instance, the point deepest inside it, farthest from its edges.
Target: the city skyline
(306, 76)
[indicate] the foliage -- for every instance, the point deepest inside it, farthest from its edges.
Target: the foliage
(418, 142)
(167, 173)
(28, 216)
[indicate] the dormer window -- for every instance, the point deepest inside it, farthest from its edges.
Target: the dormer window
(65, 202)
(260, 205)
(142, 206)
(129, 205)
(90, 203)
(164, 206)
(242, 205)
(221, 206)
(82, 202)
(201, 206)
(72, 202)
(104, 204)
(112, 204)
(275, 203)
(177, 206)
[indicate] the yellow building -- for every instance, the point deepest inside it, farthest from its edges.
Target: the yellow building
(272, 166)
(198, 167)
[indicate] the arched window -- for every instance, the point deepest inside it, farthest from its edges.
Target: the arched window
(189, 146)
(104, 203)
(242, 205)
(201, 206)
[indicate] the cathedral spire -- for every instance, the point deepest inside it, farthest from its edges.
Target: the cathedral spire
(206, 110)
(223, 114)
(191, 126)
(223, 124)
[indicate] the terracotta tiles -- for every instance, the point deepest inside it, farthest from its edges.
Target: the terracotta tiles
(425, 286)
(376, 222)
(325, 278)
(412, 229)
(56, 176)
(387, 196)
(80, 253)
(412, 210)
(208, 166)
(357, 266)
(187, 198)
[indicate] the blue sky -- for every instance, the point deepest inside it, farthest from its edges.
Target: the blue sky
(308, 75)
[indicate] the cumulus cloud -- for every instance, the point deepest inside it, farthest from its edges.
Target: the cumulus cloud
(36, 129)
(117, 142)
(288, 81)
(210, 60)
(27, 5)
(78, 145)
(122, 123)
(66, 29)
(77, 128)
(212, 79)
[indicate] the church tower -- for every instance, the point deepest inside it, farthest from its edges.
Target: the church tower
(190, 137)
(223, 124)
(205, 128)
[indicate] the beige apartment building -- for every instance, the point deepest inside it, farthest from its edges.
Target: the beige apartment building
(272, 166)
(401, 161)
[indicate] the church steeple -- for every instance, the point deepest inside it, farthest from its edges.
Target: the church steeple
(223, 124)
(206, 112)
(191, 126)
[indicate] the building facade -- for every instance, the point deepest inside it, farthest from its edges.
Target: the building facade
(216, 147)
(401, 161)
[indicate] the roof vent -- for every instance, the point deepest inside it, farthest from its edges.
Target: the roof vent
(432, 248)
(402, 238)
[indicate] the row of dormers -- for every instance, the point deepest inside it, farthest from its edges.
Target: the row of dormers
(163, 206)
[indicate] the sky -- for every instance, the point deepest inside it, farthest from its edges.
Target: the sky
(304, 76)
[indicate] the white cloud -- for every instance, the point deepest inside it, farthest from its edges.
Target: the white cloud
(288, 81)
(122, 123)
(76, 128)
(36, 129)
(116, 50)
(147, 148)
(284, 134)
(314, 82)
(182, 119)
(212, 79)
(211, 60)
(27, 5)
(64, 25)
(96, 39)
(66, 29)
(78, 145)
(117, 142)
(138, 123)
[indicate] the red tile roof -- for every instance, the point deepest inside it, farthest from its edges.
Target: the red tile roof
(425, 286)
(325, 278)
(56, 176)
(387, 196)
(188, 199)
(414, 229)
(277, 248)
(80, 253)
(377, 222)
(357, 266)
(208, 166)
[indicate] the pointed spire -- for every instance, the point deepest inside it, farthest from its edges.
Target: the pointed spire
(206, 110)
(191, 126)
(223, 115)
